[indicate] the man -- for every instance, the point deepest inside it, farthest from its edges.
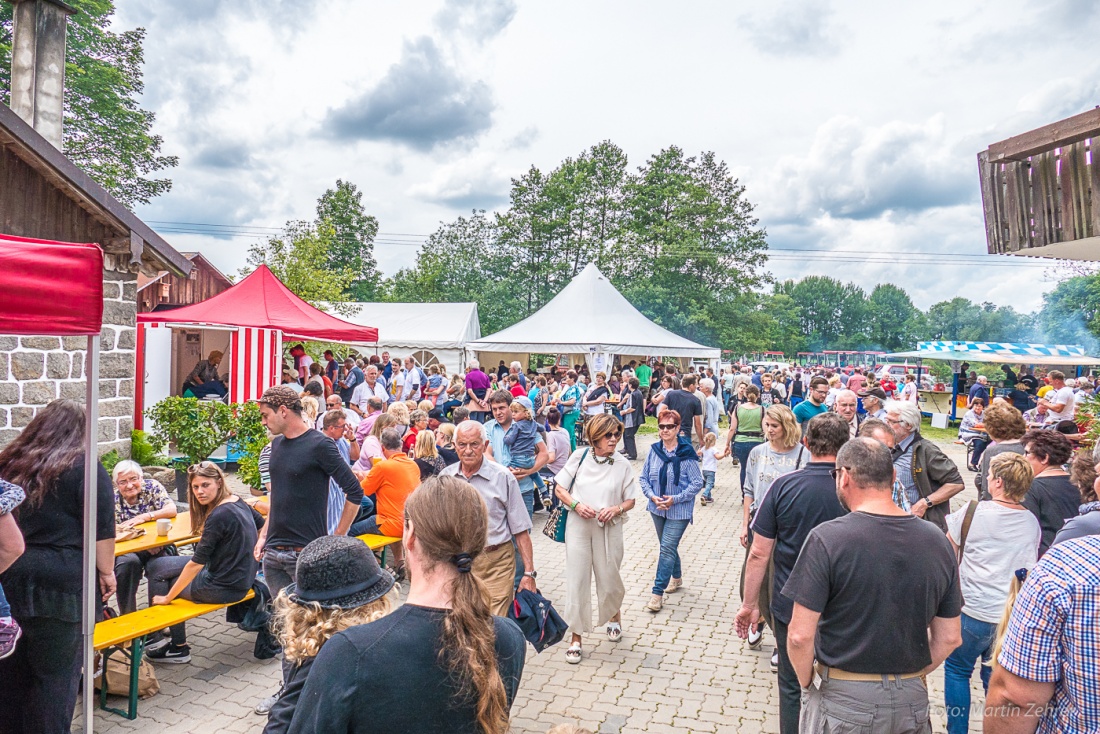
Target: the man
(500, 403)
(302, 361)
(1045, 679)
(415, 381)
(963, 376)
(371, 386)
(769, 395)
(979, 390)
(880, 431)
(353, 378)
(334, 404)
(332, 369)
(375, 408)
(856, 381)
(814, 404)
(1059, 401)
(644, 373)
(845, 406)
(684, 402)
(929, 477)
(757, 377)
(796, 503)
(517, 369)
(387, 367)
(874, 399)
(1010, 377)
(204, 379)
(509, 521)
(712, 405)
(390, 482)
(876, 615)
(335, 425)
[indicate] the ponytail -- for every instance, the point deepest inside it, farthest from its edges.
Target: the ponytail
(451, 524)
(1010, 603)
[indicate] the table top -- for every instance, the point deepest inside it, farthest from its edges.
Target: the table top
(180, 533)
(374, 542)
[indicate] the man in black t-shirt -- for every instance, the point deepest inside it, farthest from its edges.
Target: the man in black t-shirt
(688, 406)
(878, 614)
(795, 504)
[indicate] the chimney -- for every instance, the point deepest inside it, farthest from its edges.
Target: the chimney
(38, 65)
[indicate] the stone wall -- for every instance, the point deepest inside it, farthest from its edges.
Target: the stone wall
(37, 369)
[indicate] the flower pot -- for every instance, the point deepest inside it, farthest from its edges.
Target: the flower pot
(181, 485)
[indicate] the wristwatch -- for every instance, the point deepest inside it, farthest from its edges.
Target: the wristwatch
(532, 574)
(928, 501)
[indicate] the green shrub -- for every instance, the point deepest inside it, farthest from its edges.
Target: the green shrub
(147, 449)
(110, 460)
(196, 427)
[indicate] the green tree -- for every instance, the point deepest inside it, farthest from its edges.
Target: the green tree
(891, 318)
(353, 238)
(106, 132)
(1071, 313)
(830, 313)
(298, 257)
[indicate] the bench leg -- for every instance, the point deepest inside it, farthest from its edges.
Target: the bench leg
(137, 648)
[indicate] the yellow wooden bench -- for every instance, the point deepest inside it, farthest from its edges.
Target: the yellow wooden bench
(378, 542)
(112, 634)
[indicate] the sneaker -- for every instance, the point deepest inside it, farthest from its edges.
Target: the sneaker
(171, 654)
(674, 585)
(655, 603)
(775, 658)
(704, 501)
(264, 706)
(756, 636)
(156, 642)
(10, 632)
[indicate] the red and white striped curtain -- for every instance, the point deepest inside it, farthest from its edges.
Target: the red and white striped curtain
(253, 362)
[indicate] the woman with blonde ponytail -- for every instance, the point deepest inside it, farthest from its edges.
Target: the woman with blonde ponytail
(440, 663)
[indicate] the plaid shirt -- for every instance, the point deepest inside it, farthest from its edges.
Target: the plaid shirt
(152, 497)
(1053, 635)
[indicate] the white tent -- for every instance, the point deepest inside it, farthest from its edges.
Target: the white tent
(430, 332)
(591, 318)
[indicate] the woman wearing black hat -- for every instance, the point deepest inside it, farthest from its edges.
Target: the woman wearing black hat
(440, 663)
(339, 586)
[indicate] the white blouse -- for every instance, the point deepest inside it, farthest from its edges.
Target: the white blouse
(596, 484)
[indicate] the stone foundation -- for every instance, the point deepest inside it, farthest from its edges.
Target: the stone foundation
(37, 369)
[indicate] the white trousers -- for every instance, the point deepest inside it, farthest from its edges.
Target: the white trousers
(592, 550)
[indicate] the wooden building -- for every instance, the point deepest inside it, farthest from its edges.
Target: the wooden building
(168, 289)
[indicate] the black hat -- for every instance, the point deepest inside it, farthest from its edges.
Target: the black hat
(437, 414)
(874, 392)
(338, 572)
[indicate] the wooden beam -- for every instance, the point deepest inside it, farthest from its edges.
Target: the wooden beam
(1071, 130)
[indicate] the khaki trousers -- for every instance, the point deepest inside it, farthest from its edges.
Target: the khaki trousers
(592, 550)
(497, 570)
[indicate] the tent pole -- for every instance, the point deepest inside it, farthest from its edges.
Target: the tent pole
(91, 465)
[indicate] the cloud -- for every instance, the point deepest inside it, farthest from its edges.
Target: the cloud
(421, 102)
(795, 28)
(223, 154)
(854, 171)
(470, 183)
(523, 139)
(479, 20)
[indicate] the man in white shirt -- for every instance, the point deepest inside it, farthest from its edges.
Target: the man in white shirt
(1060, 401)
(334, 403)
(372, 387)
(412, 387)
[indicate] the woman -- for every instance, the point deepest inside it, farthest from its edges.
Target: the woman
(666, 384)
(339, 586)
(222, 569)
(418, 421)
(670, 479)
(1087, 522)
(569, 405)
(1003, 536)
(477, 385)
(137, 500)
(311, 402)
(39, 680)
(426, 455)
(835, 388)
(971, 429)
(445, 443)
(597, 396)
(1005, 426)
(453, 395)
(1052, 498)
(402, 415)
(443, 640)
(782, 453)
(598, 492)
(797, 390)
(746, 429)
(372, 445)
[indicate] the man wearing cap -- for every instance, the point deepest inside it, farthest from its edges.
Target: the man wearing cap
(874, 401)
(501, 404)
(509, 519)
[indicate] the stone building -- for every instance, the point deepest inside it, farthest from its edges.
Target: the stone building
(43, 195)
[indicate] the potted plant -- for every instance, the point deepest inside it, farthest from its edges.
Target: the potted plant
(195, 427)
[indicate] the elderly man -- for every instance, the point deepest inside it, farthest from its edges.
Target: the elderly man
(353, 378)
(517, 369)
(204, 379)
(929, 477)
(372, 386)
(713, 406)
(508, 518)
(501, 404)
(874, 398)
(335, 425)
(845, 406)
(979, 390)
(334, 404)
(375, 406)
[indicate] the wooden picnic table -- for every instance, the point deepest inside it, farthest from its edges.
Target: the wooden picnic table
(180, 534)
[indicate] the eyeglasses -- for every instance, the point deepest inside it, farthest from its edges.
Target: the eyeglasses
(613, 434)
(201, 465)
(836, 472)
(667, 426)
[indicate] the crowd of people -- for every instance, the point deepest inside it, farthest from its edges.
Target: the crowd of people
(854, 558)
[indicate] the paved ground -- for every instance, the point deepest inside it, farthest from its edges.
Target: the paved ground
(681, 670)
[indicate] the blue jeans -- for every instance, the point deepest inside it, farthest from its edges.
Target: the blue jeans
(365, 527)
(708, 483)
(669, 533)
(978, 638)
(526, 461)
(5, 608)
(742, 449)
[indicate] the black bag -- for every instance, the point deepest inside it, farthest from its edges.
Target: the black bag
(540, 623)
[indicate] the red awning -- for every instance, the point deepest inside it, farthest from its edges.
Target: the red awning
(50, 288)
(261, 301)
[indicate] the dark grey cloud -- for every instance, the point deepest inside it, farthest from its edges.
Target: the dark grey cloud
(479, 20)
(474, 199)
(422, 102)
(794, 28)
(222, 154)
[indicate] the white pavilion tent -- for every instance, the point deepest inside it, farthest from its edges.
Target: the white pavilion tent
(432, 333)
(588, 318)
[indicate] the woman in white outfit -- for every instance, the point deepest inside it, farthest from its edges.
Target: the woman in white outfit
(599, 489)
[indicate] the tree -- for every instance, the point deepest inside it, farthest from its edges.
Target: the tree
(830, 313)
(1071, 313)
(353, 238)
(890, 316)
(106, 133)
(298, 257)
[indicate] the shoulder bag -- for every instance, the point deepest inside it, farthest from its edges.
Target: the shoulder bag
(968, 520)
(555, 524)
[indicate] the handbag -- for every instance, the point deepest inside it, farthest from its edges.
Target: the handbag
(555, 524)
(117, 674)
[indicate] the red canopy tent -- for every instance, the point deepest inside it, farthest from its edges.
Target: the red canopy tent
(56, 289)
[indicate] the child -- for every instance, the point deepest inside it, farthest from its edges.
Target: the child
(11, 545)
(521, 438)
(710, 457)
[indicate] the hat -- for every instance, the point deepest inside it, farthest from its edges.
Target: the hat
(525, 402)
(874, 392)
(279, 396)
(338, 572)
(437, 414)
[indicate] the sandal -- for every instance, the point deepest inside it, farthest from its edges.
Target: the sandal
(573, 654)
(614, 631)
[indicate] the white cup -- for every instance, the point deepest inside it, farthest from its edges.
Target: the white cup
(163, 526)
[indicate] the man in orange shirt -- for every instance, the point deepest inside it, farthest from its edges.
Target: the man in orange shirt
(390, 481)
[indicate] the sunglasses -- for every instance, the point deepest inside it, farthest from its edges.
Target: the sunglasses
(667, 426)
(201, 465)
(836, 472)
(613, 434)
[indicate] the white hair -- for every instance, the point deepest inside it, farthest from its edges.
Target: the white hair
(707, 383)
(516, 365)
(470, 425)
(908, 412)
(125, 467)
(474, 364)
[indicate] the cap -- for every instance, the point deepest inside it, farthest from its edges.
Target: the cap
(279, 396)
(874, 392)
(525, 402)
(338, 572)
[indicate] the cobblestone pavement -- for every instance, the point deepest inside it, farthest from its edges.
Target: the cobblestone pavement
(681, 670)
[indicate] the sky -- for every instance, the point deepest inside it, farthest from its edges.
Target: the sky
(854, 126)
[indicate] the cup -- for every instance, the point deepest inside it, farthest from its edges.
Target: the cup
(163, 526)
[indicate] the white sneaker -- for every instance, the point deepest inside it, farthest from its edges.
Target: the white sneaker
(264, 706)
(674, 585)
(756, 636)
(775, 658)
(655, 603)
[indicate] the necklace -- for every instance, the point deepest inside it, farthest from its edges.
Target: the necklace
(1009, 502)
(605, 459)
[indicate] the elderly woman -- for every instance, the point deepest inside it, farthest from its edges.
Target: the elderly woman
(598, 490)
(670, 479)
(137, 500)
(1053, 498)
(597, 395)
(972, 430)
(1004, 425)
(418, 421)
(929, 477)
